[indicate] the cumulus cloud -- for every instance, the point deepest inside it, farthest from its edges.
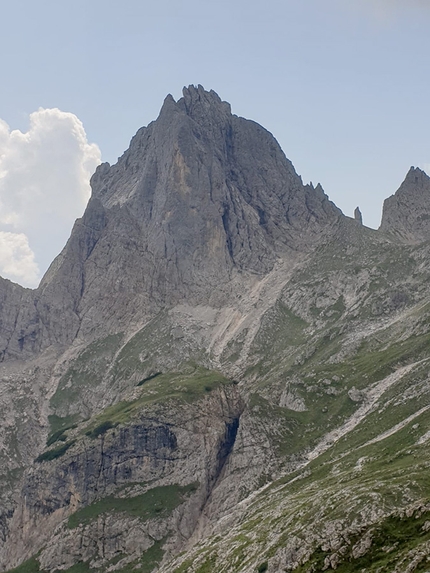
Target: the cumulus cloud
(17, 259)
(44, 187)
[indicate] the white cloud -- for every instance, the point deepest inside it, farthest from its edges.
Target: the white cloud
(44, 185)
(17, 259)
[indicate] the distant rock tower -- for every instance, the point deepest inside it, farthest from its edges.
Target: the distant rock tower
(358, 216)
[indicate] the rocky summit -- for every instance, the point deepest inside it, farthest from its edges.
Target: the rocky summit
(220, 372)
(407, 212)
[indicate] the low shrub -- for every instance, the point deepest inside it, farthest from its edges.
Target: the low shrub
(148, 378)
(55, 453)
(101, 429)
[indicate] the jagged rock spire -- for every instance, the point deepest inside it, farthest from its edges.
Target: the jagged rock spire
(358, 216)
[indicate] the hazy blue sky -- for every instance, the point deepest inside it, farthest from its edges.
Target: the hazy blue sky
(343, 85)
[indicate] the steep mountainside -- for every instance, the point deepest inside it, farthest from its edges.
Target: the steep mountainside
(220, 372)
(200, 196)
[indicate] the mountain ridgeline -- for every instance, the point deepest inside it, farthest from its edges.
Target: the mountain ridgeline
(220, 372)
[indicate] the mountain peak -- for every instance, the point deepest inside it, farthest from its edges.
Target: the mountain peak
(416, 176)
(197, 98)
(198, 169)
(197, 103)
(407, 212)
(200, 197)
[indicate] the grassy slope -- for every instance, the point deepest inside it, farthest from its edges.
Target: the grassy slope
(154, 503)
(354, 485)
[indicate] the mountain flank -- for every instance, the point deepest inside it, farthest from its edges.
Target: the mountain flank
(220, 372)
(406, 214)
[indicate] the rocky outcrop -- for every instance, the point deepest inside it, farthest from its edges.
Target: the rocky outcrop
(406, 214)
(358, 216)
(154, 472)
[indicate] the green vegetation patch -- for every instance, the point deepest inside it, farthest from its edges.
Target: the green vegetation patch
(55, 453)
(29, 566)
(159, 501)
(368, 365)
(299, 430)
(184, 567)
(101, 429)
(86, 371)
(391, 541)
(280, 327)
(208, 566)
(374, 366)
(58, 423)
(148, 378)
(135, 356)
(59, 435)
(147, 562)
(328, 410)
(81, 567)
(152, 557)
(170, 386)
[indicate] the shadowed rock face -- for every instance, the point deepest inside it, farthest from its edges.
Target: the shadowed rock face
(407, 212)
(200, 194)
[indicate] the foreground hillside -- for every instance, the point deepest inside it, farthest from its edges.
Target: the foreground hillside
(220, 372)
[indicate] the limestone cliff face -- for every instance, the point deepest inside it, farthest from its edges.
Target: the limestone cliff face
(199, 196)
(212, 191)
(406, 214)
(157, 473)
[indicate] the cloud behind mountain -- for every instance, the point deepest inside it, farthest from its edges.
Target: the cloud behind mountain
(44, 187)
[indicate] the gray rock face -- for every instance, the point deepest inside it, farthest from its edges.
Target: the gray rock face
(200, 195)
(208, 193)
(14, 300)
(178, 455)
(358, 216)
(407, 212)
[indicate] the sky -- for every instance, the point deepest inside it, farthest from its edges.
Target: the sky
(343, 85)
